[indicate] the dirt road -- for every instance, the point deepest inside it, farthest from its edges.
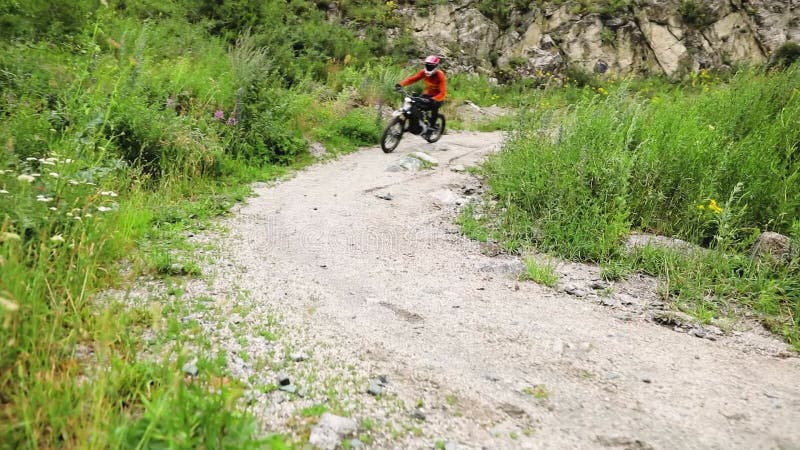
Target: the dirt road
(372, 287)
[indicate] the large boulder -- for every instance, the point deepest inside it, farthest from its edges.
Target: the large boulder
(772, 246)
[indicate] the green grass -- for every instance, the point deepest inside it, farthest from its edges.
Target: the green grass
(314, 411)
(711, 162)
(542, 273)
(112, 153)
(538, 392)
(471, 227)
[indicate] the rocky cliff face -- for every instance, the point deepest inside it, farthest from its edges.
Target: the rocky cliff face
(640, 36)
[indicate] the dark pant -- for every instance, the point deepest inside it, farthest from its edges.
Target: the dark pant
(434, 112)
(433, 107)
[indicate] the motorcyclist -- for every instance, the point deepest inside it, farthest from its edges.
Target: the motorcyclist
(435, 86)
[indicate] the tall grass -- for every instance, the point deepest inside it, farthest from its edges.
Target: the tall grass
(122, 125)
(713, 165)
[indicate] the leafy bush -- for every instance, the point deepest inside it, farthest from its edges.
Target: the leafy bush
(696, 13)
(786, 55)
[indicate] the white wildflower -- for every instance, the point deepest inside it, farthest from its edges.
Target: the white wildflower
(103, 208)
(35, 175)
(57, 238)
(53, 208)
(54, 175)
(3, 191)
(108, 193)
(25, 178)
(68, 161)
(31, 158)
(7, 236)
(43, 199)
(73, 183)
(8, 304)
(49, 161)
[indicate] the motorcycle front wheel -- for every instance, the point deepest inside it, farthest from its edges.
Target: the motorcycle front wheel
(392, 135)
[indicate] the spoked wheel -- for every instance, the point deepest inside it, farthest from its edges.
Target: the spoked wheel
(391, 135)
(437, 131)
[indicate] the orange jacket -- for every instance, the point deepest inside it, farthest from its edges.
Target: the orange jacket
(435, 85)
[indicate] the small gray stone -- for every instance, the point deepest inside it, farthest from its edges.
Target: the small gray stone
(574, 290)
(375, 389)
(190, 368)
(674, 318)
(178, 269)
(191, 317)
(408, 163)
(627, 300)
(615, 22)
(299, 357)
(330, 430)
(599, 285)
(697, 332)
(424, 157)
(283, 379)
(386, 196)
(609, 302)
(355, 443)
(290, 388)
(418, 414)
(458, 168)
(317, 150)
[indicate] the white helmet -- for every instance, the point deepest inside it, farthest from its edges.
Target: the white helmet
(431, 64)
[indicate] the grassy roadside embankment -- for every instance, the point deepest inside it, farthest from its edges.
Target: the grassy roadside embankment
(141, 123)
(714, 163)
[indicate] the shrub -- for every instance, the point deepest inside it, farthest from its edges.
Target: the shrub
(786, 55)
(696, 13)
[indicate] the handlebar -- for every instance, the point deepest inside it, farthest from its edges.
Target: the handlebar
(414, 96)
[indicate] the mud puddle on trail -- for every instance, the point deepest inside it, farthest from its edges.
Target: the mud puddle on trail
(387, 315)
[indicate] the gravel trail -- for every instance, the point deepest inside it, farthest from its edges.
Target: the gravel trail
(373, 287)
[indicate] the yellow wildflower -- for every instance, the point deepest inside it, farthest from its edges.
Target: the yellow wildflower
(714, 207)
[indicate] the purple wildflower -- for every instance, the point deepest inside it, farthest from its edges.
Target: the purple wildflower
(231, 121)
(219, 114)
(170, 102)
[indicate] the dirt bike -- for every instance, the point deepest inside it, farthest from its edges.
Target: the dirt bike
(413, 117)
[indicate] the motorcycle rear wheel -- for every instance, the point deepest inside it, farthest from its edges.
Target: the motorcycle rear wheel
(437, 133)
